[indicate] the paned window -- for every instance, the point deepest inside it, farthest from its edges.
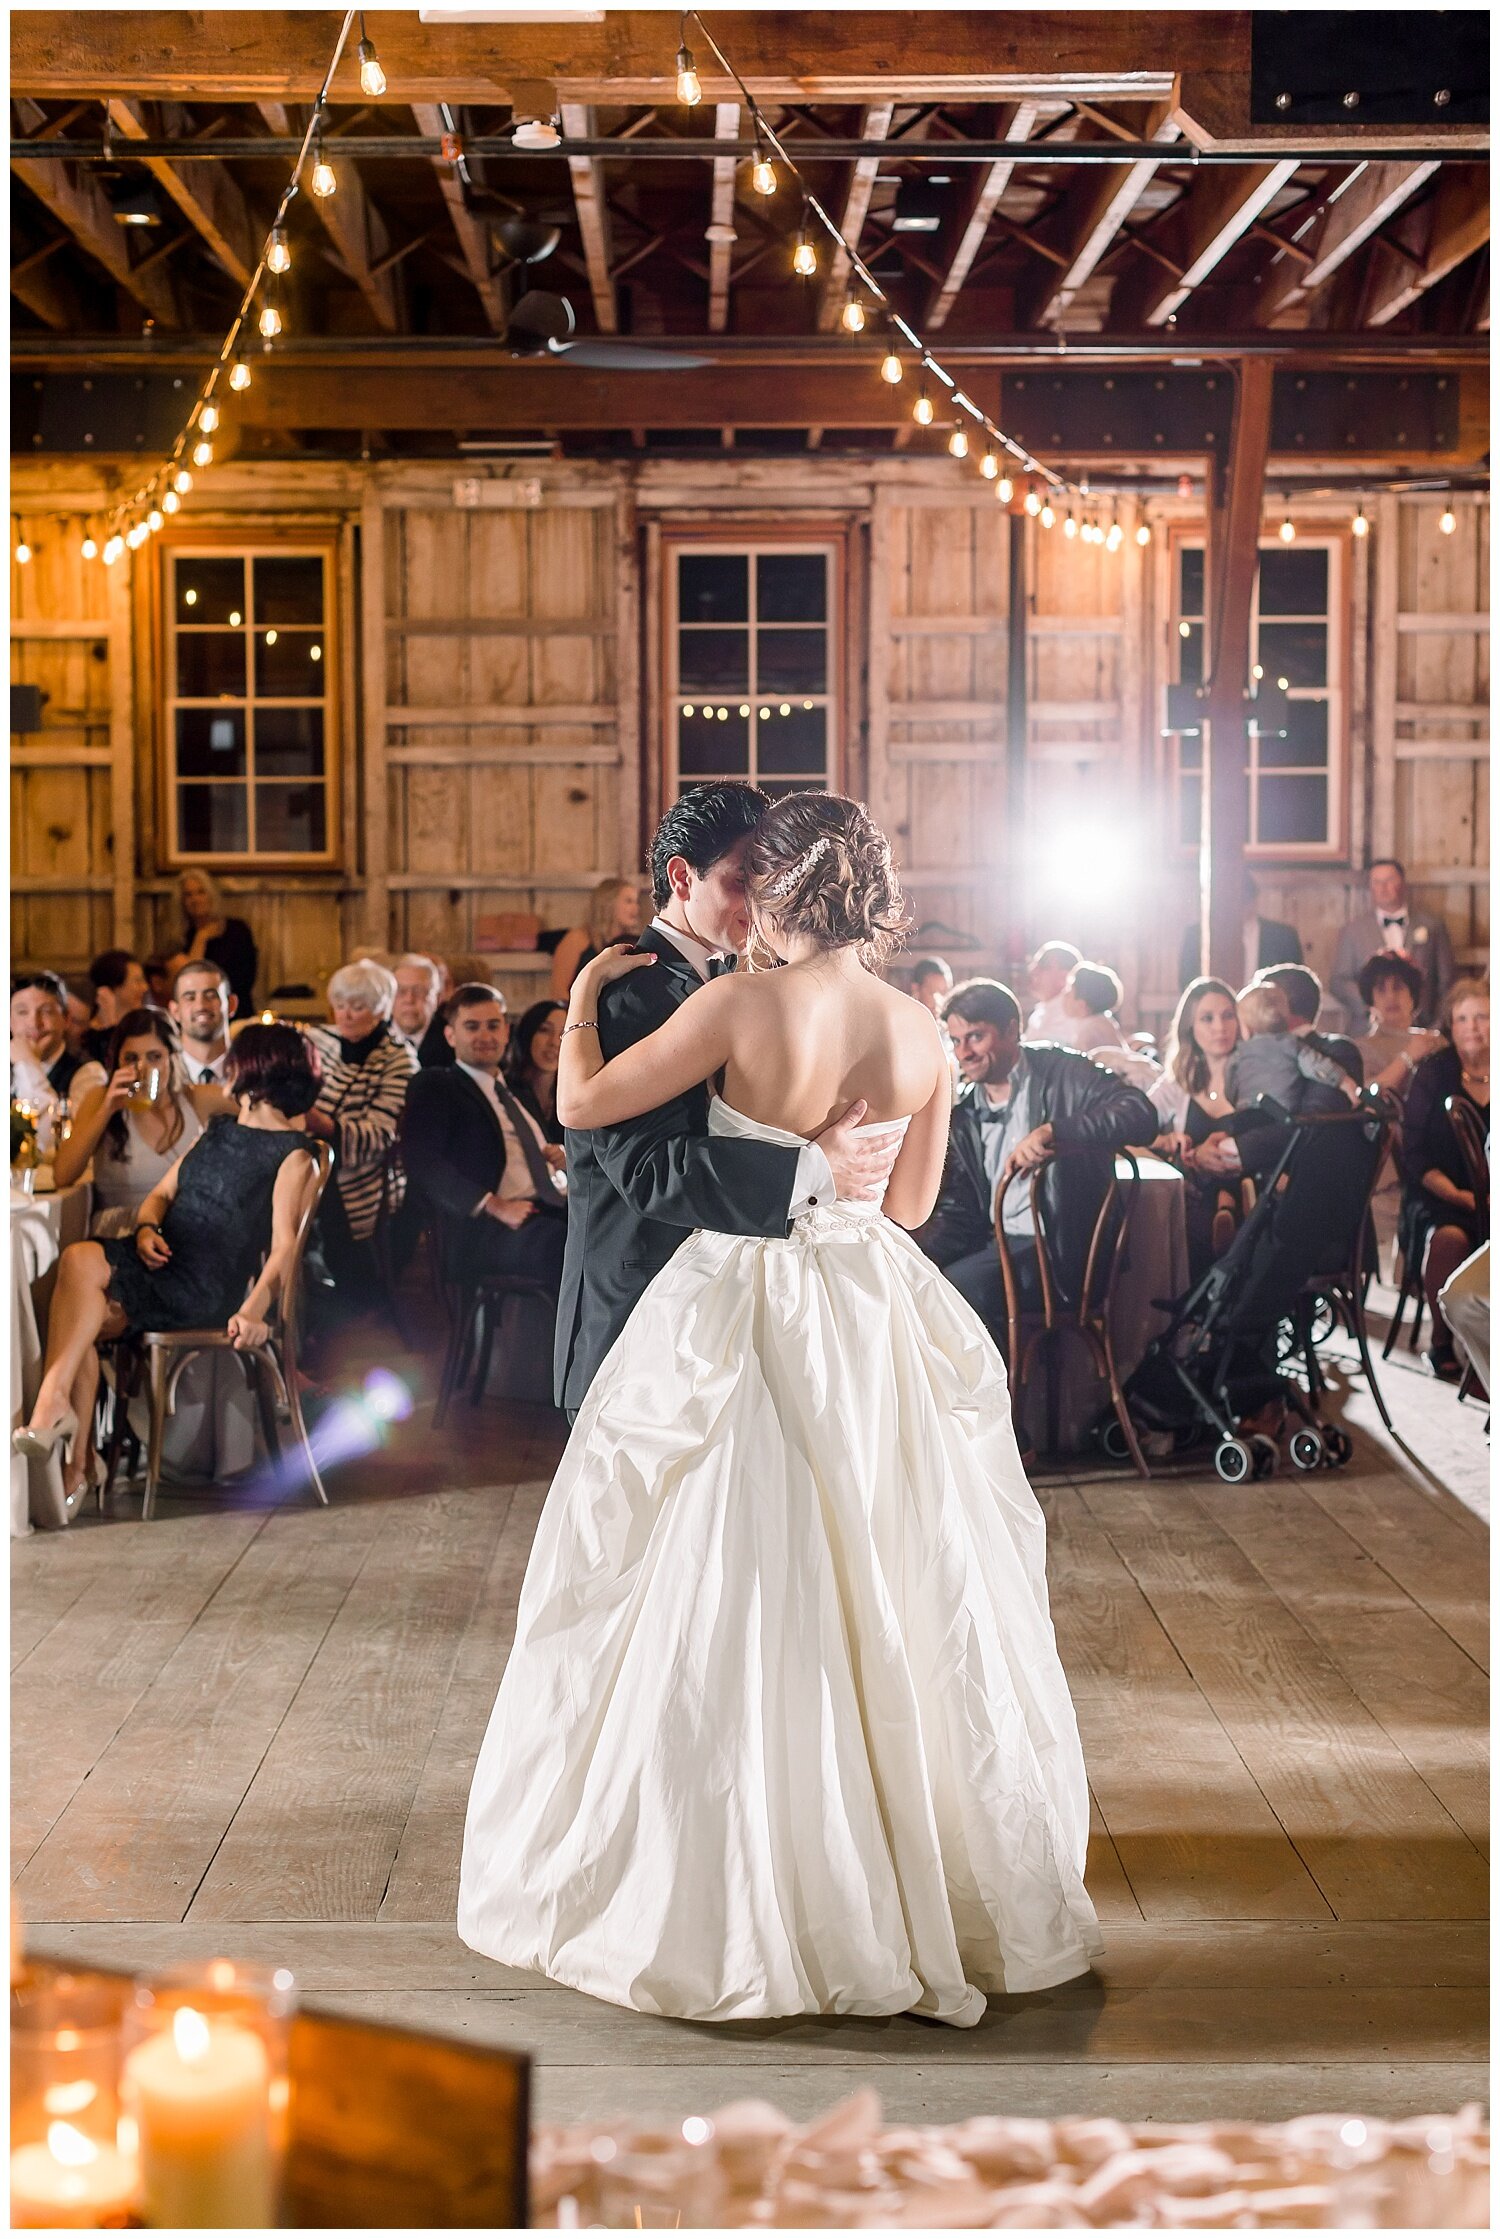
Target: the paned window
(1295, 780)
(751, 687)
(250, 674)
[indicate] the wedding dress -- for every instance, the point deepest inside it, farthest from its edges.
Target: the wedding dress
(784, 1729)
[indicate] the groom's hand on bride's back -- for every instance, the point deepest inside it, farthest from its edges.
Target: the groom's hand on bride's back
(860, 1164)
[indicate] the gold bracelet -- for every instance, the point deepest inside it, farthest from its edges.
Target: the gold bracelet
(579, 1024)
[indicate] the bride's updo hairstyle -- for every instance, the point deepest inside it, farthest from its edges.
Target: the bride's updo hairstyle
(821, 865)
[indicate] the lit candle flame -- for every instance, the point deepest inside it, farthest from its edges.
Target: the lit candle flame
(69, 2146)
(190, 2034)
(69, 2099)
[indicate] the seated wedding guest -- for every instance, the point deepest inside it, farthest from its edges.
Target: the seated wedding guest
(479, 1159)
(209, 932)
(233, 1200)
(365, 1074)
(1465, 1301)
(1431, 1158)
(1271, 1060)
(415, 1012)
(531, 1063)
(1090, 999)
(1266, 940)
(119, 981)
(1193, 1100)
(1046, 977)
(80, 1007)
(134, 1117)
(202, 1006)
(930, 980)
(1390, 1054)
(1392, 924)
(159, 977)
(1019, 1106)
(42, 1065)
(1304, 999)
(614, 915)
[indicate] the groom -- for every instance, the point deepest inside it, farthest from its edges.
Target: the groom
(636, 1189)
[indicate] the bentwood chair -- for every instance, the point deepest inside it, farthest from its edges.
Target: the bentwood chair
(1038, 1333)
(161, 1355)
(474, 1308)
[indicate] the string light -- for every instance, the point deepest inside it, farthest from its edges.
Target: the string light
(171, 502)
(371, 76)
(1286, 532)
(1360, 525)
(1448, 522)
(325, 180)
(278, 254)
(921, 411)
(1005, 489)
(208, 418)
(113, 549)
(182, 482)
(854, 316)
(1046, 516)
(763, 171)
(689, 84)
(89, 548)
(989, 465)
(804, 256)
(23, 553)
(1115, 538)
(270, 319)
(154, 519)
(890, 368)
(1070, 526)
(1032, 502)
(1143, 533)
(958, 443)
(203, 454)
(239, 376)
(136, 537)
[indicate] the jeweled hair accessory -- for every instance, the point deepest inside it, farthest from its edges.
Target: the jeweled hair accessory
(796, 872)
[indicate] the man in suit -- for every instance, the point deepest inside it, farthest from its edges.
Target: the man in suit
(1304, 999)
(1392, 923)
(635, 1190)
(1267, 941)
(478, 1159)
(1017, 1109)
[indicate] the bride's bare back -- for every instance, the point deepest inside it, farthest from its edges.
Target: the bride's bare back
(807, 1041)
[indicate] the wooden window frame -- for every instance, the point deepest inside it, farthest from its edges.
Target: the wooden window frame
(251, 541)
(750, 537)
(1335, 538)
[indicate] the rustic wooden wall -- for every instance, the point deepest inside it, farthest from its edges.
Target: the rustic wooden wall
(501, 708)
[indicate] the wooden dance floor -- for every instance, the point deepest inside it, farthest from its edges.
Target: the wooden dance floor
(252, 1732)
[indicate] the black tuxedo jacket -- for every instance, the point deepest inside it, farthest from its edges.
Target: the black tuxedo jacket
(635, 1190)
(453, 1149)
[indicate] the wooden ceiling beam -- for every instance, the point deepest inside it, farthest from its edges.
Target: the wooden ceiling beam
(472, 234)
(1203, 229)
(1093, 213)
(1372, 197)
(353, 225)
(873, 125)
(1442, 232)
(982, 198)
(721, 214)
(592, 212)
(75, 198)
(206, 194)
(48, 293)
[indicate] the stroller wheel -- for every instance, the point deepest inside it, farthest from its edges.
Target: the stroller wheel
(1112, 1441)
(1306, 1449)
(1340, 1446)
(1233, 1460)
(1267, 1454)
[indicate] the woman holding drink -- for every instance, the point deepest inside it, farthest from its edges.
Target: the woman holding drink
(133, 1118)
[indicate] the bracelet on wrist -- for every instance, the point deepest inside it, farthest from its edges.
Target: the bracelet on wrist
(579, 1024)
(154, 1226)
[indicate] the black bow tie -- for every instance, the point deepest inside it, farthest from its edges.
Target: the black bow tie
(718, 965)
(1393, 920)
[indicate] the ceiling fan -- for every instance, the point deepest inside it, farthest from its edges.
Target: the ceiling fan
(542, 324)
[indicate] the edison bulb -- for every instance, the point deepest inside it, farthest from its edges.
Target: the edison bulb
(89, 549)
(182, 482)
(763, 177)
(854, 316)
(1143, 534)
(113, 549)
(239, 376)
(270, 320)
(1046, 516)
(278, 255)
(203, 454)
(154, 519)
(23, 553)
(1286, 532)
(921, 411)
(208, 418)
(1448, 522)
(1033, 504)
(958, 443)
(890, 368)
(1070, 526)
(371, 76)
(1005, 489)
(324, 179)
(171, 502)
(804, 258)
(1360, 525)
(689, 84)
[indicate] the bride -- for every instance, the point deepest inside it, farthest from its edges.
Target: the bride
(784, 1728)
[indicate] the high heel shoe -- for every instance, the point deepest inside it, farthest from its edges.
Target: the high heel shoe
(40, 1445)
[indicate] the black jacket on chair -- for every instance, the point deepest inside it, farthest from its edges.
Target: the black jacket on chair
(636, 1189)
(453, 1149)
(1090, 1111)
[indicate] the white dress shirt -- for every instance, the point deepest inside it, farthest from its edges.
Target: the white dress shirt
(212, 1075)
(515, 1175)
(1395, 925)
(812, 1184)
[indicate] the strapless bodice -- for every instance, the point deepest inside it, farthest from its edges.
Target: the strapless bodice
(723, 1119)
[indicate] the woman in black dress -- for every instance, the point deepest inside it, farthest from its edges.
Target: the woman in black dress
(208, 932)
(228, 1204)
(531, 1063)
(1434, 1172)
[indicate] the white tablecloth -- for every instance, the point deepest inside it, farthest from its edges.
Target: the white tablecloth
(40, 1229)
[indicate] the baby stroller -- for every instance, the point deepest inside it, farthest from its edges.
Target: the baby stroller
(1221, 1362)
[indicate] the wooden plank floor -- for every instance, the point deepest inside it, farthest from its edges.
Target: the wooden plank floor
(251, 1730)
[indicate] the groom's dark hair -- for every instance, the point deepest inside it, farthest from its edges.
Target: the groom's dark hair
(705, 824)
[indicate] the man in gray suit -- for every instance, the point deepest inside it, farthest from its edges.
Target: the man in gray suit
(1392, 923)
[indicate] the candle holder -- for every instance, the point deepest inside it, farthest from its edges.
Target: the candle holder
(72, 2163)
(205, 2085)
(657, 2180)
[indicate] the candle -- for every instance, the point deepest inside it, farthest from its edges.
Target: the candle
(69, 2183)
(200, 2092)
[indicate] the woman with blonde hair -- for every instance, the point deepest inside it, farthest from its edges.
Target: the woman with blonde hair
(614, 915)
(208, 932)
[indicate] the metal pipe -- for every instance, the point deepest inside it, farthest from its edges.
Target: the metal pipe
(667, 148)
